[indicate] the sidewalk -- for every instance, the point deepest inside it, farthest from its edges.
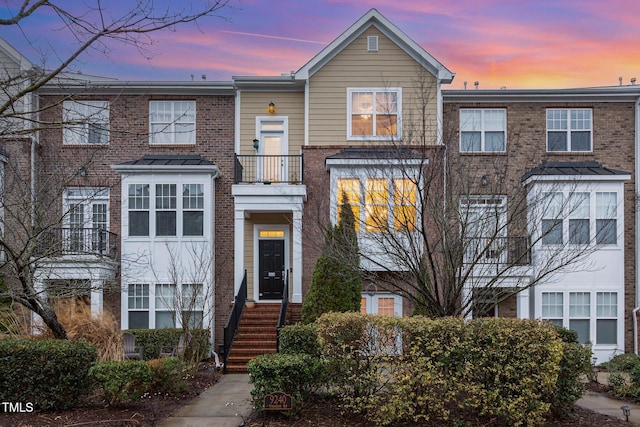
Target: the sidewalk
(228, 403)
(225, 404)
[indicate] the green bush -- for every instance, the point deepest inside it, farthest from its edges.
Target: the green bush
(154, 339)
(299, 338)
(422, 370)
(575, 363)
(622, 362)
(122, 380)
(50, 374)
(169, 375)
(295, 374)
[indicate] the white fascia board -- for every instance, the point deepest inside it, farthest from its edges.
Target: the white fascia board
(350, 163)
(177, 169)
(576, 178)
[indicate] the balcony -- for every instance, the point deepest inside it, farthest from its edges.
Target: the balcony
(58, 242)
(268, 169)
(498, 250)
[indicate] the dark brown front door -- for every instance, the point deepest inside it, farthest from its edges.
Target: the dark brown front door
(271, 269)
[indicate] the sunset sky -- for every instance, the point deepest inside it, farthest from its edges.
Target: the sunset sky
(513, 44)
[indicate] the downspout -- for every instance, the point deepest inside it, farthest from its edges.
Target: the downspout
(637, 192)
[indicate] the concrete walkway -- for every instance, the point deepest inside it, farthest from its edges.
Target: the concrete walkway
(226, 404)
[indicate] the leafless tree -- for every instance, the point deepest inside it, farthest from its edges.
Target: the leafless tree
(32, 212)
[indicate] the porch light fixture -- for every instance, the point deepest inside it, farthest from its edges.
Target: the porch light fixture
(626, 411)
(484, 180)
(256, 144)
(271, 108)
(82, 171)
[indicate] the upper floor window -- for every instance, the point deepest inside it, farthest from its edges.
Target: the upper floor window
(483, 130)
(389, 204)
(86, 219)
(374, 113)
(172, 122)
(168, 209)
(85, 122)
(578, 217)
(569, 129)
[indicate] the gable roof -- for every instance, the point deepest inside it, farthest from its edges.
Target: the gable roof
(15, 56)
(375, 19)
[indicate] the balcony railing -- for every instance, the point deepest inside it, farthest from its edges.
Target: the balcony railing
(77, 241)
(498, 250)
(268, 169)
(231, 328)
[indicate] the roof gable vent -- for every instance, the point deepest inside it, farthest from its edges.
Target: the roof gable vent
(372, 43)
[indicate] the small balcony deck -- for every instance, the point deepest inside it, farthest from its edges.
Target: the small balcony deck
(268, 169)
(58, 242)
(504, 251)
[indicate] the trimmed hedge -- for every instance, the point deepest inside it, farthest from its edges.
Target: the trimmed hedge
(295, 374)
(153, 339)
(422, 370)
(122, 380)
(299, 339)
(575, 363)
(50, 374)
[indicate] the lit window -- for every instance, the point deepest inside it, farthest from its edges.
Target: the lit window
(386, 306)
(172, 122)
(349, 193)
(374, 113)
(483, 130)
(377, 210)
(568, 129)
(85, 122)
(404, 209)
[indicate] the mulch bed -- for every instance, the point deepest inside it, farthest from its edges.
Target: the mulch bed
(317, 413)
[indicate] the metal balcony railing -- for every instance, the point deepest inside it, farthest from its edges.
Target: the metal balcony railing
(268, 169)
(77, 241)
(231, 328)
(498, 250)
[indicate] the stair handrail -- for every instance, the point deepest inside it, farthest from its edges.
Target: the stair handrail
(282, 319)
(231, 328)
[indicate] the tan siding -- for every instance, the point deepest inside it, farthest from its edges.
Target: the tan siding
(356, 67)
(289, 104)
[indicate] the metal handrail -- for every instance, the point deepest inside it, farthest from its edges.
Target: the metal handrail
(282, 319)
(268, 169)
(77, 241)
(498, 250)
(231, 328)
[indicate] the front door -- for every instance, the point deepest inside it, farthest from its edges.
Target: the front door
(271, 269)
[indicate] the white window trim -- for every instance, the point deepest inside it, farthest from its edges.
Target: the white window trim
(178, 180)
(568, 131)
(398, 136)
(483, 130)
(77, 116)
(170, 128)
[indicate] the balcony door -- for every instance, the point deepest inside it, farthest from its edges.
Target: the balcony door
(85, 221)
(483, 227)
(272, 163)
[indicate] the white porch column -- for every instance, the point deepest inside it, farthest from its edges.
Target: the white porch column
(238, 249)
(297, 256)
(522, 300)
(97, 289)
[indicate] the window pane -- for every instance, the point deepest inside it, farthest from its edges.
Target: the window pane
(579, 231)
(138, 223)
(192, 318)
(165, 223)
(386, 125)
(470, 120)
(386, 306)
(606, 331)
(580, 141)
(165, 319)
(606, 232)
(470, 141)
(556, 141)
(552, 304)
(362, 102)
(362, 124)
(551, 231)
(607, 304)
(138, 320)
(494, 141)
(582, 328)
(192, 223)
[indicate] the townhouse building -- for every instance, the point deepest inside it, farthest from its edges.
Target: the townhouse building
(168, 200)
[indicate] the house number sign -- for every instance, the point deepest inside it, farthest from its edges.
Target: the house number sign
(278, 401)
